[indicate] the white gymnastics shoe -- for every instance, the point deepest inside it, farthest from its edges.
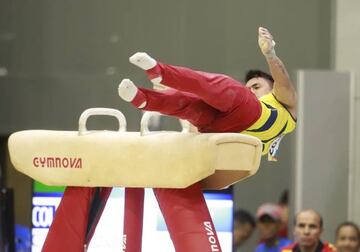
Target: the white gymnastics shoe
(143, 60)
(130, 93)
(127, 90)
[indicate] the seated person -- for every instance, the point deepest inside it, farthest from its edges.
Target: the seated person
(347, 237)
(307, 232)
(269, 223)
(244, 225)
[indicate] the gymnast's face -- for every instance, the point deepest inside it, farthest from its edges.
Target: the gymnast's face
(259, 86)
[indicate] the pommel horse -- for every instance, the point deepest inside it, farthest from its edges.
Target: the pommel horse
(177, 165)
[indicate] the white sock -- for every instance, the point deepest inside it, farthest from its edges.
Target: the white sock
(157, 80)
(142, 60)
(142, 105)
(159, 86)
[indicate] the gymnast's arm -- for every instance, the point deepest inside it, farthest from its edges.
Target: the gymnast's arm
(283, 90)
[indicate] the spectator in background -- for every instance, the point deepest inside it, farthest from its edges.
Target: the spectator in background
(269, 222)
(347, 237)
(284, 205)
(307, 233)
(244, 225)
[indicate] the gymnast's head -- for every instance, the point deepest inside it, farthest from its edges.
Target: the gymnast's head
(260, 83)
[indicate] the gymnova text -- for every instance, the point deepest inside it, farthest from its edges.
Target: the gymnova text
(57, 162)
(211, 236)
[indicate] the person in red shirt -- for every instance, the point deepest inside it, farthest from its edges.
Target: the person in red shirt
(307, 233)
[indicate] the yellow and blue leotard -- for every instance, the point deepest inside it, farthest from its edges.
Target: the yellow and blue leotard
(274, 122)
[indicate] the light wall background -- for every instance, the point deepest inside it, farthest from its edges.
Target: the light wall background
(345, 56)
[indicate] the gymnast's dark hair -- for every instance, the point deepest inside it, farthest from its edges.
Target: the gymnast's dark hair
(254, 73)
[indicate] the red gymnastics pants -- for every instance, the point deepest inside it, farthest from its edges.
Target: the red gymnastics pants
(211, 102)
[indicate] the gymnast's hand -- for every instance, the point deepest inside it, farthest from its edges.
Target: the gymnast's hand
(266, 43)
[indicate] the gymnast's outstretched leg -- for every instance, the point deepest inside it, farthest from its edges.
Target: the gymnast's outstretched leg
(169, 102)
(219, 91)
